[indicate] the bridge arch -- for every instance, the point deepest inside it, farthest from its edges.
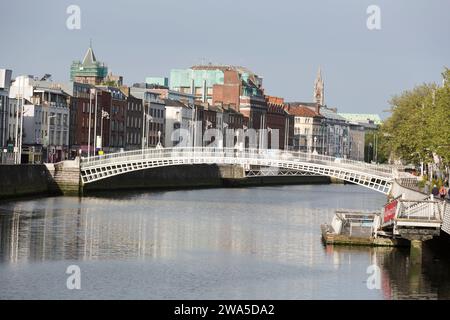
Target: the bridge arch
(376, 177)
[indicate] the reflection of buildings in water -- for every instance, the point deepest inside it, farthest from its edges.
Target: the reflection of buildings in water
(401, 280)
(101, 228)
(343, 254)
(13, 244)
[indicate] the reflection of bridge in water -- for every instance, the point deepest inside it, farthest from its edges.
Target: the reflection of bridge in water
(410, 216)
(376, 177)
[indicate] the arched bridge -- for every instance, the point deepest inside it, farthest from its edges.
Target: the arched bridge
(376, 177)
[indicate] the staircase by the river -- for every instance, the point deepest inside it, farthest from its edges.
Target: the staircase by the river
(64, 177)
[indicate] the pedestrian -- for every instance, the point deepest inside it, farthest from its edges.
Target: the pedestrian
(442, 192)
(448, 193)
(435, 191)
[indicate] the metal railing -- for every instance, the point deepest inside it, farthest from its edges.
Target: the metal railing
(266, 154)
(426, 209)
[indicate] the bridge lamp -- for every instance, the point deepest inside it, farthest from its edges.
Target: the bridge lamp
(315, 145)
(159, 146)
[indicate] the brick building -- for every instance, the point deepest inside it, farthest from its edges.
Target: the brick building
(277, 119)
(134, 116)
(85, 99)
(117, 116)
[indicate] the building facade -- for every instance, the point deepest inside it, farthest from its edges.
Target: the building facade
(117, 118)
(308, 128)
(277, 121)
(5, 82)
(178, 124)
(197, 80)
(134, 120)
(154, 116)
(45, 120)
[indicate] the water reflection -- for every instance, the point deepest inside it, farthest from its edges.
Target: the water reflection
(399, 278)
(103, 228)
(246, 243)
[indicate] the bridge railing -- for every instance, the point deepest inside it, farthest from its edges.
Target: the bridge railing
(428, 209)
(274, 154)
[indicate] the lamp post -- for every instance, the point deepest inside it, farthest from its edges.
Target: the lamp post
(315, 145)
(90, 119)
(344, 148)
(48, 133)
(149, 119)
(105, 115)
(159, 145)
(264, 141)
(17, 156)
(19, 122)
(95, 124)
(193, 122)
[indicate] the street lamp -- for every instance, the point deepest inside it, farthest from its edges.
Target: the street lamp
(344, 147)
(159, 145)
(315, 144)
(90, 119)
(48, 133)
(149, 119)
(105, 115)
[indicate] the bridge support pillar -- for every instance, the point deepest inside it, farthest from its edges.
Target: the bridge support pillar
(415, 253)
(416, 238)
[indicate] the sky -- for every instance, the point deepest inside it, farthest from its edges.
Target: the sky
(283, 41)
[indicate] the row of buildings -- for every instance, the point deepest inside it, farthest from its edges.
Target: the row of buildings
(95, 113)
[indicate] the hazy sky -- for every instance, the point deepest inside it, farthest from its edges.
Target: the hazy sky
(282, 41)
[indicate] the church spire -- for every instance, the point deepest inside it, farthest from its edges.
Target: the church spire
(89, 57)
(319, 88)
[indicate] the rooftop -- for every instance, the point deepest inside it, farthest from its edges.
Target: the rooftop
(174, 103)
(331, 114)
(302, 111)
(362, 117)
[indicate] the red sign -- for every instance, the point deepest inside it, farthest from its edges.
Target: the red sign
(389, 211)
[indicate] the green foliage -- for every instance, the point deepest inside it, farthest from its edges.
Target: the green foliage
(419, 124)
(373, 147)
(110, 83)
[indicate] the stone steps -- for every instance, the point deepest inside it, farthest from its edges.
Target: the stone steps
(65, 178)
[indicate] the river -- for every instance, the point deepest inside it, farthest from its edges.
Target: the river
(233, 243)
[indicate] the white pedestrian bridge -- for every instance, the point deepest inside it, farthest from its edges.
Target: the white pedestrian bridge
(376, 177)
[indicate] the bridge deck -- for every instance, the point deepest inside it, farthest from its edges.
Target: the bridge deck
(376, 177)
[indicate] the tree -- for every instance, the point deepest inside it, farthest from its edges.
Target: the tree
(419, 126)
(407, 131)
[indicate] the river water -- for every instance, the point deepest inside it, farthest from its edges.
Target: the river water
(236, 243)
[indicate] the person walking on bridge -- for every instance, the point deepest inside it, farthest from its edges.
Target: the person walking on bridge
(435, 191)
(442, 192)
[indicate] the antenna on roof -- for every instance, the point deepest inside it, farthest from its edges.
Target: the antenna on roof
(46, 77)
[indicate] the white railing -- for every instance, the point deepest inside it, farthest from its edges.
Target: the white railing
(271, 154)
(446, 217)
(428, 209)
